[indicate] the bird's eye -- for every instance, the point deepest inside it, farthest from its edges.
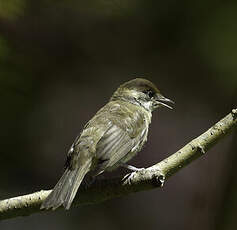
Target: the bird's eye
(150, 93)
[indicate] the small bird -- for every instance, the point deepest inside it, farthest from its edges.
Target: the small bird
(111, 138)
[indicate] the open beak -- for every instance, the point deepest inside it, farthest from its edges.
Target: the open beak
(162, 101)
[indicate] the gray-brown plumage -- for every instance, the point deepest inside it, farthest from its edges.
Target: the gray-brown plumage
(111, 138)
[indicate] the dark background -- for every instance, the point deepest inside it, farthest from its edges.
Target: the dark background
(60, 61)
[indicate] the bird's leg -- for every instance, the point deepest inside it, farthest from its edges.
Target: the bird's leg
(131, 168)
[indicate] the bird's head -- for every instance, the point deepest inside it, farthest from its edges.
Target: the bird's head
(141, 92)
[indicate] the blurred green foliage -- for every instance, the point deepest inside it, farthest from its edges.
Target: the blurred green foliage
(11, 9)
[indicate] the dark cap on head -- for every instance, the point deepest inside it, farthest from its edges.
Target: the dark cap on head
(140, 84)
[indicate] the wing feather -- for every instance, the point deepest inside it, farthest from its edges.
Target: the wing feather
(112, 147)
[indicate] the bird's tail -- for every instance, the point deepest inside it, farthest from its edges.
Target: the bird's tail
(66, 188)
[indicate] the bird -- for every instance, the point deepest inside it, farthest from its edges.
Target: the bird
(115, 134)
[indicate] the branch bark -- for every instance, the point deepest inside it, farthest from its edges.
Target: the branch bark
(146, 179)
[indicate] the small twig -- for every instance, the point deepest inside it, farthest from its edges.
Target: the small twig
(146, 179)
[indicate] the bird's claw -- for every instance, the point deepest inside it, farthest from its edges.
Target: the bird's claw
(128, 178)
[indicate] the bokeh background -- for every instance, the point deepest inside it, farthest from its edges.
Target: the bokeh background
(61, 60)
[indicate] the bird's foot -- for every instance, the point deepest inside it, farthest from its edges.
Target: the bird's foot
(128, 178)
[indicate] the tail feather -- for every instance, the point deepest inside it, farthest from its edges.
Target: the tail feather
(66, 188)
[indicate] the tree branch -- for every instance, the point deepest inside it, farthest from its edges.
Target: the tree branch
(146, 179)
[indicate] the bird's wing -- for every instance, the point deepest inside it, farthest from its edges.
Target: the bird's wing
(113, 146)
(125, 132)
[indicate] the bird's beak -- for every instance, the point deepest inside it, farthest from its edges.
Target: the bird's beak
(161, 101)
